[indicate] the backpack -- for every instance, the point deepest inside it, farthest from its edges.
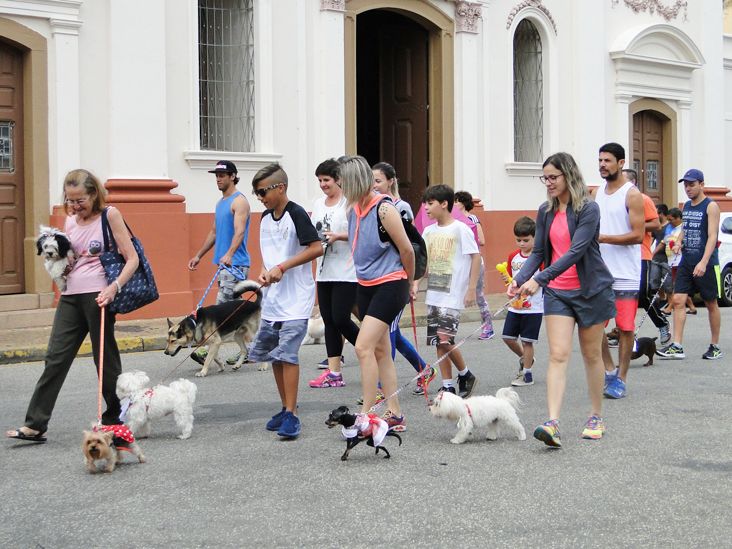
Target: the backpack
(418, 244)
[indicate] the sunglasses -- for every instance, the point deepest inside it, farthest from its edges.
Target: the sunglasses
(261, 192)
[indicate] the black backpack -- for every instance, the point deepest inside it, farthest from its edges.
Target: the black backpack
(420, 248)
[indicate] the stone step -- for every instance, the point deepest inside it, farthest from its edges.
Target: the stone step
(28, 318)
(21, 302)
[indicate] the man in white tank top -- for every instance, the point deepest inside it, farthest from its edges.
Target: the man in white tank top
(622, 224)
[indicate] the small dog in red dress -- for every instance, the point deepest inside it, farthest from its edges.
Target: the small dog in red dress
(102, 444)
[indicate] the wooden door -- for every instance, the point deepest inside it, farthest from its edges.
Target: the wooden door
(648, 153)
(403, 69)
(12, 190)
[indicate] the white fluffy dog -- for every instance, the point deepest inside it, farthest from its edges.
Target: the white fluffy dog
(140, 404)
(316, 330)
(496, 413)
(58, 256)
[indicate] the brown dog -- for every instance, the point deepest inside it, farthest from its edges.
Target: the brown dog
(98, 446)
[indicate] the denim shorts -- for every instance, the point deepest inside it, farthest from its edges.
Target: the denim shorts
(227, 282)
(586, 311)
(278, 341)
(524, 326)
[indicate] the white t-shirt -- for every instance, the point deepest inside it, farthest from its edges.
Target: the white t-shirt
(336, 264)
(293, 297)
(534, 304)
(449, 255)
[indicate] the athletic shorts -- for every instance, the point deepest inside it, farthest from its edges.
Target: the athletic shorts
(442, 325)
(587, 312)
(525, 326)
(278, 341)
(626, 304)
(383, 301)
(707, 285)
(227, 282)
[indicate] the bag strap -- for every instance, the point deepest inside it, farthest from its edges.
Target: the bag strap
(107, 234)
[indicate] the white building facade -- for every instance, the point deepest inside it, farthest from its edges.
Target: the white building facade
(149, 94)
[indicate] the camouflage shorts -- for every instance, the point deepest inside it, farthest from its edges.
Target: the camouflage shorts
(226, 284)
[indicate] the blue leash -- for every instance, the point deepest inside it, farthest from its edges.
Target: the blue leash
(236, 273)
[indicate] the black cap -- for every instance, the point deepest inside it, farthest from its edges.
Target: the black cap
(224, 166)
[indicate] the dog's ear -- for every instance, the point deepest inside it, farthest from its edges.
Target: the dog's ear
(170, 324)
(109, 436)
(63, 246)
(39, 245)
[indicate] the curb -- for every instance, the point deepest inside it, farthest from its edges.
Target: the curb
(137, 344)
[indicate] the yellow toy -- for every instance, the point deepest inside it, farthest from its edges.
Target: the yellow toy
(519, 302)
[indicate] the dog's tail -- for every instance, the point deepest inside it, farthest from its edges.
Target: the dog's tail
(186, 387)
(248, 286)
(510, 396)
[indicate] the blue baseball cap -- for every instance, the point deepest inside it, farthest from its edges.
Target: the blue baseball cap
(692, 175)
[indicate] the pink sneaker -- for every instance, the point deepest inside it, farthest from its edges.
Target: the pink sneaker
(327, 379)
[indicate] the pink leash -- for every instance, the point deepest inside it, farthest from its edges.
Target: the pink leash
(101, 365)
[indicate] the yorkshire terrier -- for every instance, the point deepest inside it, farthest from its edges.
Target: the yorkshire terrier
(102, 447)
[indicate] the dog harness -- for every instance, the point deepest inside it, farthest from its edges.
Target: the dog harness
(123, 437)
(368, 425)
(126, 402)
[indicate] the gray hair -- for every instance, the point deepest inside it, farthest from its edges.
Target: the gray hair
(357, 179)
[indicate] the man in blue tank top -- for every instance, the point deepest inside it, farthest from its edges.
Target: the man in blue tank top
(228, 236)
(699, 267)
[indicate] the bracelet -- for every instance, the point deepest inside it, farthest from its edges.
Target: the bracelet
(280, 267)
(119, 288)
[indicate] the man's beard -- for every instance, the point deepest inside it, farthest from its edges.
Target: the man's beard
(612, 176)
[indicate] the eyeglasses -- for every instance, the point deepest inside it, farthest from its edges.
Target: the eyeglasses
(78, 202)
(550, 178)
(261, 192)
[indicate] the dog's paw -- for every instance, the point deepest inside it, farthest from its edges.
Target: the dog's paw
(201, 374)
(457, 440)
(263, 366)
(184, 436)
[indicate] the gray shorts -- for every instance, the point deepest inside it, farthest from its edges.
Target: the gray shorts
(597, 309)
(278, 341)
(226, 284)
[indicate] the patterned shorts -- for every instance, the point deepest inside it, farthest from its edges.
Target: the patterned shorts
(226, 284)
(442, 325)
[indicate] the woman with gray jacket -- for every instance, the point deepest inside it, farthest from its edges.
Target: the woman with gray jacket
(577, 289)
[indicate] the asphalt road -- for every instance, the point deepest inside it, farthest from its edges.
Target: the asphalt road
(661, 477)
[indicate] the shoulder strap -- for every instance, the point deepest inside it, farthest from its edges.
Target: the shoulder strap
(107, 234)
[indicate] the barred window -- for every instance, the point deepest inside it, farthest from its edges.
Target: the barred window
(528, 94)
(226, 74)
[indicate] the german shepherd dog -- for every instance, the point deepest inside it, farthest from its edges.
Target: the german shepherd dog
(234, 321)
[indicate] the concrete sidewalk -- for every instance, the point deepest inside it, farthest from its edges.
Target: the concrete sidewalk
(29, 344)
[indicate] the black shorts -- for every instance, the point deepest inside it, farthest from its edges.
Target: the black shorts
(707, 285)
(525, 326)
(383, 301)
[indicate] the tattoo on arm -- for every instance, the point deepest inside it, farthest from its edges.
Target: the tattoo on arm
(383, 208)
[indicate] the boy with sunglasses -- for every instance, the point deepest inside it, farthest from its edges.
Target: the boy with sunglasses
(289, 243)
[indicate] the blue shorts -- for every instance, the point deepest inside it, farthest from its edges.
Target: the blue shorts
(278, 341)
(525, 326)
(587, 312)
(707, 285)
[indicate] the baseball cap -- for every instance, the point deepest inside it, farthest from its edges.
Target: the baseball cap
(224, 166)
(692, 175)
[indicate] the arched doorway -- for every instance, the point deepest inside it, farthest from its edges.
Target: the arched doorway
(399, 89)
(392, 79)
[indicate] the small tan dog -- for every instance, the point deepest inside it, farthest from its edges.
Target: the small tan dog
(316, 330)
(99, 446)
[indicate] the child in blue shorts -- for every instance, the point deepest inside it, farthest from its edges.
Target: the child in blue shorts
(523, 321)
(289, 243)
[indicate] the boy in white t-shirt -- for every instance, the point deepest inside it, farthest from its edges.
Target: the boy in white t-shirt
(453, 265)
(523, 320)
(288, 243)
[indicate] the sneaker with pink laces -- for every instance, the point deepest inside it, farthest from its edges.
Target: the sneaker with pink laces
(396, 423)
(327, 379)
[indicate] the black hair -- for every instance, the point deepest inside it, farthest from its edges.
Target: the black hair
(386, 168)
(465, 198)
(662, 209)
(524, 226)
(614, 149)
(440, 193)
(268, 171)
(675, 212)
(328, 168)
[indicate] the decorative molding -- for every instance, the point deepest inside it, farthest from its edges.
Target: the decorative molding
(333, 5)
(524, 169)
(467, 15)
(652, 6)
(64, 26)
(537, 4)
(245, 161)
(44, 9)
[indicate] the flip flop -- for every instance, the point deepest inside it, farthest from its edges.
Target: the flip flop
(20, 435)
(689, 312)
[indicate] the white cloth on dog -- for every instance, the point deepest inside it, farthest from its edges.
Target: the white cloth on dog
(368, 425)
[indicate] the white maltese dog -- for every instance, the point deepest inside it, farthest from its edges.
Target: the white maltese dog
(141, 404)
(496, 413)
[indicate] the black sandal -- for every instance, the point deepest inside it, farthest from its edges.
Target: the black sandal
(20, 435)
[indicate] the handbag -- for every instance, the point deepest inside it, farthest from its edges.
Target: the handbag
(141, 288)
